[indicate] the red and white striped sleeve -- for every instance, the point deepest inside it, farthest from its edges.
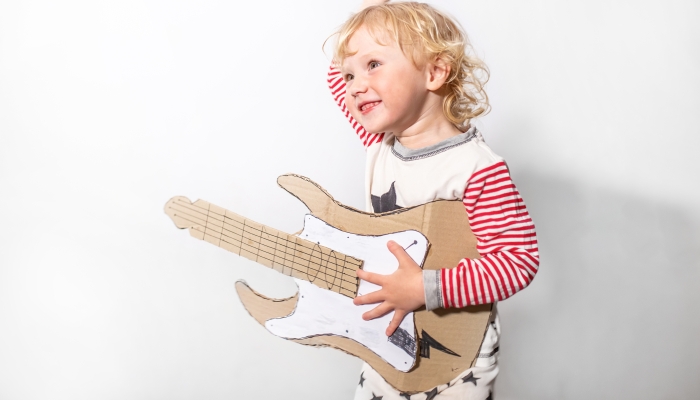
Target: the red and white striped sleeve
(336, 84)
(506, 242)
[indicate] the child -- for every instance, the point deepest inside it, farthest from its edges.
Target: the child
(404, 77)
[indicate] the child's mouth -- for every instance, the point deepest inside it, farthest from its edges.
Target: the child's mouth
(369, 107)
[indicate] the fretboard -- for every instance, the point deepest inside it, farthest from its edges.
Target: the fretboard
(285, 253)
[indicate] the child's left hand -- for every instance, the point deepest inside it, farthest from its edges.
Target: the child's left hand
(401, 292)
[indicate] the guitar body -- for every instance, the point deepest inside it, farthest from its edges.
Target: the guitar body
(324, 312)
(449, 339)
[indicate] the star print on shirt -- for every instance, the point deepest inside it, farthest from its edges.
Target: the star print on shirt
(405, 395)
(431, 394)
(470, 378)
(362, 379)
(385, 202)
(375, 397)
(489, 398)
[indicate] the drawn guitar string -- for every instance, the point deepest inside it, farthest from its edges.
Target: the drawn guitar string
(311, 318)
(258, 237)
(236, 236)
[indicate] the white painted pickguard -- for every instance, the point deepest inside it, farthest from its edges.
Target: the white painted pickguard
(322, 312)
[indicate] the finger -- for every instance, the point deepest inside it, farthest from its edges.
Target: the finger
(398, 252)
(371, 277)
(378, 311)
(399, 315)
(369, 298)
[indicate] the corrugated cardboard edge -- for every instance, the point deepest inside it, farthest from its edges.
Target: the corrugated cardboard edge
(444, 223)
(263, 309)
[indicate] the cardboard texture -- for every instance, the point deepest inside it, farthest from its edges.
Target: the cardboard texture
(318, 261)
(285, 253)
(448, 339)
(324, 312)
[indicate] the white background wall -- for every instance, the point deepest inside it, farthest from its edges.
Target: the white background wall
(109, 108)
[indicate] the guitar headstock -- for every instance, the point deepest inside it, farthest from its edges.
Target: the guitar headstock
(188, 215)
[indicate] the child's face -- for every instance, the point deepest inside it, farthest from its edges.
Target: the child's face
(385, 90)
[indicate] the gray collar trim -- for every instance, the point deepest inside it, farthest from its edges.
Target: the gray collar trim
(406, 154)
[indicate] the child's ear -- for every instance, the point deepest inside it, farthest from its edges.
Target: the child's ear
(437, 73)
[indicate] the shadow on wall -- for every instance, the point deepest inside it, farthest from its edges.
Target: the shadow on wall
(614, 312)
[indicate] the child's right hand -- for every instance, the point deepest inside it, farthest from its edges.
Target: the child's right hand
(401, 292)
(369, 3)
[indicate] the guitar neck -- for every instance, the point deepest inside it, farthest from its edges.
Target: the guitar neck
(285, 253)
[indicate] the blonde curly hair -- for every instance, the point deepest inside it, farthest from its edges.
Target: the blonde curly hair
(424, 34)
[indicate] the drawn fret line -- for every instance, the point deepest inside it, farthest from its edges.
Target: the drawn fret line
(301, 243)
(231, 221)
(210, 226)
(323, 263)
(274, 257)
(307, 265)
(317, 257)
(327, 260)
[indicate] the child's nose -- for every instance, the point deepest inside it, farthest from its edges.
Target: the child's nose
(359, 85)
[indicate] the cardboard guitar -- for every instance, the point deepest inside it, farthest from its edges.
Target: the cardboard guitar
(428, 349)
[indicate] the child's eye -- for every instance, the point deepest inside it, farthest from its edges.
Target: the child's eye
(348, 77)
(373, 64)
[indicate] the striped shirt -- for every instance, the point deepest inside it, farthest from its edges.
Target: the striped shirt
(462, 167)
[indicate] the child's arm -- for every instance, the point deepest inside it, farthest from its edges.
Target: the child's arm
(336, 84)
(506, 242)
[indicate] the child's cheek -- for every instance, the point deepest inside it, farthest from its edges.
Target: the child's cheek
(353, 110)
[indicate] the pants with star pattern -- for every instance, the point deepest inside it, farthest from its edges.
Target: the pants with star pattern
(473, 384)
